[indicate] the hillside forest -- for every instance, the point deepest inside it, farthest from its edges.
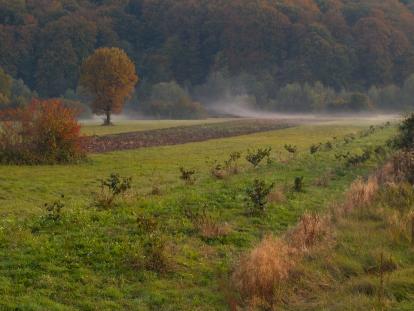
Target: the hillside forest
(273, 55)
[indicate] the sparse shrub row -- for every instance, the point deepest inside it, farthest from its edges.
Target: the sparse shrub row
(262, 274)
(347, 139)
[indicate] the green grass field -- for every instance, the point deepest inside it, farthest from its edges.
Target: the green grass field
(124, 126)
(88, 260)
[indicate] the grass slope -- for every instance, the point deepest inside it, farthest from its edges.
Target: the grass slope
(370, 266)
(87, 260)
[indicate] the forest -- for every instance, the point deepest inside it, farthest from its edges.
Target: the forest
(280, 55)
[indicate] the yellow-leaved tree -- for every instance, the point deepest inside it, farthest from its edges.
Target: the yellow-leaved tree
(109, 76)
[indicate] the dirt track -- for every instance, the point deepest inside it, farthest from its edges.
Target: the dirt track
(181, 135)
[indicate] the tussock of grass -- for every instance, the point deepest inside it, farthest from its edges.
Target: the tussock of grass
(277, 195)
(263, 270)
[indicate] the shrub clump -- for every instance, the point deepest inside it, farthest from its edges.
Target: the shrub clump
(111, 189)
(298, 184)
(256, 157)
(258, 194)
(230, 166)
(43, 132)
(405, 138)
(292, 149)
(187, 175)
(315, 148)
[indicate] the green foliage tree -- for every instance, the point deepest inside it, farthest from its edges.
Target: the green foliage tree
(169, 100)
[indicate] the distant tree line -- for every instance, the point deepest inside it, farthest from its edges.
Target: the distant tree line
(285, 55)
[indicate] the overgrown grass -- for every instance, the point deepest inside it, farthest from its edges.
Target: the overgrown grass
(357, 257)
(92, 259)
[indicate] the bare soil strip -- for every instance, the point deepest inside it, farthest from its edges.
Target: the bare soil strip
(182, 135)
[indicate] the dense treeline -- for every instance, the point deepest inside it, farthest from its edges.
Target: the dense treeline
(264, 47)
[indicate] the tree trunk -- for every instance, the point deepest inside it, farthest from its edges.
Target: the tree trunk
(107, 121)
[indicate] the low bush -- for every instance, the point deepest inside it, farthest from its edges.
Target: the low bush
(111, 189)
(405, 137)
(156, 256)
(298, 184)
(43, 132)
(256, 157)
(315, 148)
(258, 194)
(187, 175)
(292, 149)
(53, 210)
(328, 146)
(357, 159)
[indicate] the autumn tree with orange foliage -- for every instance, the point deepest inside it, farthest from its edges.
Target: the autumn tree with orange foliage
(43, 132)
(109, 75)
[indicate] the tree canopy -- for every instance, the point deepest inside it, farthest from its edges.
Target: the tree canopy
(109, 76)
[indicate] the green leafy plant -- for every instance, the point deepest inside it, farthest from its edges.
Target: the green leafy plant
(328, 146)
(315, 148)
(256, 157)
(53, 209)
(298, 184)
(258, 193)
(111, 189)
(405, 137)
(292, 149)
(187, 175)
(156, 257)
(356, 159)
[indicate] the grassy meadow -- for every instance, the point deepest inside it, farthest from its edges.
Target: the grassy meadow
(97, 259)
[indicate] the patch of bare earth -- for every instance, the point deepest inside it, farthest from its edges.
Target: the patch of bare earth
(181, 135)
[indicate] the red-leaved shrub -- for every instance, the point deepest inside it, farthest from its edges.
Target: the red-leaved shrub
(43, 132)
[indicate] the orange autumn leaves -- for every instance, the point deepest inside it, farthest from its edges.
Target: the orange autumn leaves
(43, 132)
(109, 76)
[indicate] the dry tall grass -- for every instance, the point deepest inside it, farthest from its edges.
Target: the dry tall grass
(361, 194)
(310, 230)
(263, 270)
(403, 166)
